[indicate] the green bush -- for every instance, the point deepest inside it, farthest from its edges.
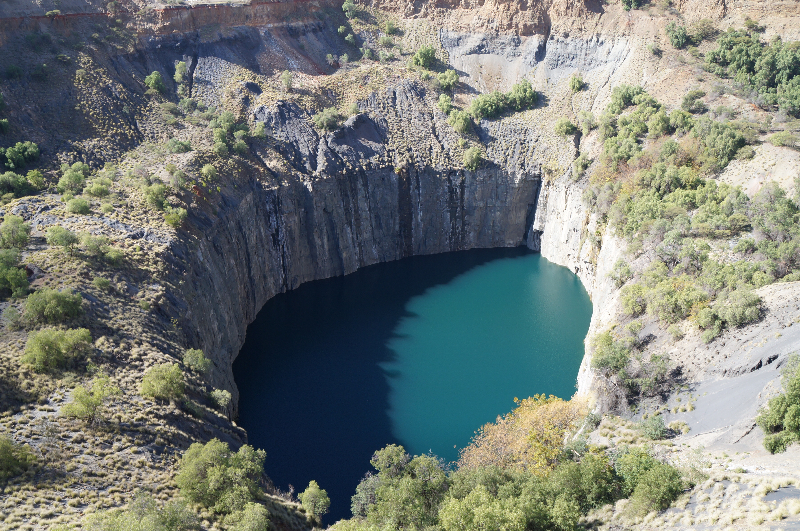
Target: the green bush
(460, 121)
(448, 79)
(286, 80)
(50, 349)
(678, 36)
(564, 127)
(51, 306)
(445, 103)
(328, 119)
(78, 205)
(101, 283)
(145, 514)
(472, 158)
(163, 382)
(89, 402)
(691, 102)
(621, 273)
(14, 458)
(576, 83)
(627, 5)
(215, 477)
(653, 427)
(14, 232)
(196, 361)
(254, 517)
(73, 177)
(175, 217)
(315, 500)
(522, 96)
(783, 139)
(94, 246)
(174, 145)
(13, 280)
(155, 82)
(579, 166)
(208, 172)
(610, 356)
(488, 105)
(424, 57)
(221, 398)
(12, 183)
(98, 187)
(155, 195)
(657, 489)
(19, 155)
(780, 420)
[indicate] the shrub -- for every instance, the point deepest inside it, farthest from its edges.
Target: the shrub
(50, 349)
(89, 402)
(220, 149)
(780, 420)
(351, 39)
(164, 382)
(564, 127)
(221, 398)
(51, 306)
(472, 158)
(390, 28)
(448, 79)
(13, 280)
(14, 232)
(328, 119)
(653, 427)
(579, 166)
(488, 105)
(224, 481)
(627, 5)
(610, 356)
(208, 172)
(286, 80)
(460, 121)
(445, 103)
(576, 83)
(175, 217)
(180, 71)
(349, 8)
(97, 188)
(15, 184)
(101, 283)
(620, 273)
(20, 154)
(315, 500)
(73, 177)
(677, 35)
(196, 361)
(691, 102)
(424, 57)
(155, 82)
(657, 489)
(145, 514)
(522, 96)
(78, 205)
(783, 138)
(94, 246)
(14, 458)
(254, 517)
(174, 145)
(155, 195)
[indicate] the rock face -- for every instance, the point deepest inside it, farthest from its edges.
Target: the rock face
(348, 204)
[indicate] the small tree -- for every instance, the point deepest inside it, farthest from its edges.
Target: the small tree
(472, 158)
(315, 500)
(51, 349)
(14, 458)
(78, 205)
(62, 237)
(677, 35)
(286, 80)
(175, 217)
(209, 172)
(448, 79)
(94, 246)
(328, 120)
(460, 121)
(196, 361)
(424, 57)
(155, 82)
(576, 83)
(565, 127)
(254, 517)
(221, 398)
(14, 232)
(445, 103)
(51, 306)
(180, 71)
(164, 382)
(224, 481)
(349, 8)
(89, 402)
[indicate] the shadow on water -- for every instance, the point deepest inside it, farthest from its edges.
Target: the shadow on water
(312, 390)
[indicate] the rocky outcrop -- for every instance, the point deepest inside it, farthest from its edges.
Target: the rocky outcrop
(354, 199)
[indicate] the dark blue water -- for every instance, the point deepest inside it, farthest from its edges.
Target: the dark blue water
(419, 352)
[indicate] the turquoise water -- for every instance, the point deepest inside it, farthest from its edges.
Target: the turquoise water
(419, 352)
(509, 328)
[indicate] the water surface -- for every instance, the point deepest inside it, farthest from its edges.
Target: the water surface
(419, 352)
